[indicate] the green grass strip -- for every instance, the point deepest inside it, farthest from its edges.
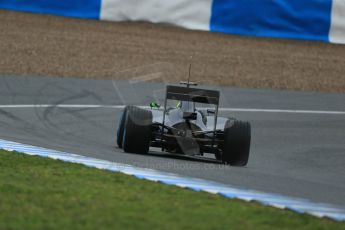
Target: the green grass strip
(41, 193)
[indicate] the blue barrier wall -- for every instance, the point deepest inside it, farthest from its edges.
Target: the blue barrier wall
(69, 8)
(297, 19)
(322, 20)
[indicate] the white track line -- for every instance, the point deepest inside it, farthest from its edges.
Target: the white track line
(220, 109)
(282, 111)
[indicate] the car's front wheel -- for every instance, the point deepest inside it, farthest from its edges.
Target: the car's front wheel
(137, 131)
(237, 135)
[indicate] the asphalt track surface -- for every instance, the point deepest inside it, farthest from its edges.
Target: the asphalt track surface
(294, 154)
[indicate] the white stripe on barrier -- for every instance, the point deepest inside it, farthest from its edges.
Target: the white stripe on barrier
(337, 31)
(191, 14)
(146, 107)
(295, 204)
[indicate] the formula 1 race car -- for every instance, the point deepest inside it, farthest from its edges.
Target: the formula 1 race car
(191, 127)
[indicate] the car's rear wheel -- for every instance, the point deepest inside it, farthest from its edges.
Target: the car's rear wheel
(121, 127)
(137, 131)
(237, 135)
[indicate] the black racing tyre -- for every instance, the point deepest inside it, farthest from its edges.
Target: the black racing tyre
(218, 156)
(137, 131)
(237, 135)
(121, 127)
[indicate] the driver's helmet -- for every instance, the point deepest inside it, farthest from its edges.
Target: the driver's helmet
(155, 105)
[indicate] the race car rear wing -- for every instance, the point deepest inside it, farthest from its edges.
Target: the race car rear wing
(192, 94)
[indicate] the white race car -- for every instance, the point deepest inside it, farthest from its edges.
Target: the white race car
(189, 128)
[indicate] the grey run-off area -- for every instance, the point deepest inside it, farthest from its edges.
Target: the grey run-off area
(294, 154)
